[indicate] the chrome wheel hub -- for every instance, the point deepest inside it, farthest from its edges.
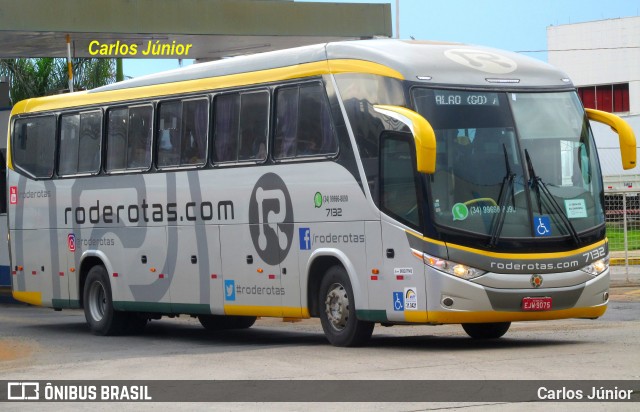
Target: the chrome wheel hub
(337, 306)
(97, 301)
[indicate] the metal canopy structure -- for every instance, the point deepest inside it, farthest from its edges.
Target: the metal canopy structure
(214, 28)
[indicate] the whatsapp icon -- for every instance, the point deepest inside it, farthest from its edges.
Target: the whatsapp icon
(460, 211)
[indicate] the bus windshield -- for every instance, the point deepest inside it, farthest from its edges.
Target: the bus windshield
(512, 165)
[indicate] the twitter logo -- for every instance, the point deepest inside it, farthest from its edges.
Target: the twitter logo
(230, 290)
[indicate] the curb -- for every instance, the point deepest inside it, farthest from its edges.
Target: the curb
(621, 261)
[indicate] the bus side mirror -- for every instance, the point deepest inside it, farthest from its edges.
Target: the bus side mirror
(423, 134)
(625, 134)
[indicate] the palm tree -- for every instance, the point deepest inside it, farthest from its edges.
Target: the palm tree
(44, 76)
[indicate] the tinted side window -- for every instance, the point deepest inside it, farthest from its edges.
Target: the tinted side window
(129, 134)
(170, 114)
(183, 133)
(399, 185)
(254, 126)
(80, 143)
(3, 182)
(226, 124)
(195, 131)
(68, 157)
(241, 127)
(33, 145)
(117, 134)
(303, 123)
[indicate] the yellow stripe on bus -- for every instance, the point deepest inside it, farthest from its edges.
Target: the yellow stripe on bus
(442, 317)
(298, 71)
(529, 256)
(32, 298)
(267, 311)
(205, 84)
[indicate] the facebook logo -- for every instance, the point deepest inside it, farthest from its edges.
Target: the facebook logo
(230, 290)
(305, 238)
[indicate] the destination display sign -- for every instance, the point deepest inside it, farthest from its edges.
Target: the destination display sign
(459, 98)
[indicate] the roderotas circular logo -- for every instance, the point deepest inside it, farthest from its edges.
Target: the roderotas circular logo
(271, 219)
(482, 60)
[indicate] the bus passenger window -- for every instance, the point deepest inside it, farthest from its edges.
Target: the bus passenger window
(129, 133)
(241, 127)
(90, 142)
(303, 123)
(195, 128)
(34, 145)
(3, 182)
(254, 126)
(286, 123)
(116, 139)
(68, 153)
(170, 114)
(139, 137)
(80, 143)
(226, 122)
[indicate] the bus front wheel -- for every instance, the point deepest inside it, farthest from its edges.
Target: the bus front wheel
(486, 330)
(98, 305)
(338, 312)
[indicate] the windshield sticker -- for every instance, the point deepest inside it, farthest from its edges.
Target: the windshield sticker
(542, 225)
(575, 208)
(460, 211)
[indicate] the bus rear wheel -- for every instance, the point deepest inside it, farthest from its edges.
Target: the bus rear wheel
(98, 305)
(338, 312)
(486, 330)
(220, 322)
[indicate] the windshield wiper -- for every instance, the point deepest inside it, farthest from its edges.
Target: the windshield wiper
(507, 183)
(540, 187)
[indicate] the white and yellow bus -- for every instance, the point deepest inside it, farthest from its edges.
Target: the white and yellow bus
(364, 182)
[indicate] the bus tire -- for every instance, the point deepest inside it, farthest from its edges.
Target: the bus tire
(337, 310)
(221, 322)
(98, 305)
(486, 330)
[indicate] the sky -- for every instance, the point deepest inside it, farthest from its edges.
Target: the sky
(515, 25)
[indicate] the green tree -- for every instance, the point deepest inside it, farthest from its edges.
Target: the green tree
(45, 76)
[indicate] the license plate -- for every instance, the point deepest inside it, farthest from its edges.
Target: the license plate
(536, 304)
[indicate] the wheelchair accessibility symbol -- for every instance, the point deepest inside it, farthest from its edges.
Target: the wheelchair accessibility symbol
(398, 301)
(542, 225)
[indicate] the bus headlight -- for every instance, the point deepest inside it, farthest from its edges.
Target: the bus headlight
(452, 268)
(597, 267)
